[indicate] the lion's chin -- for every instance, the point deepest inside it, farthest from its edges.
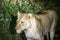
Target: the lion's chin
(18, 31)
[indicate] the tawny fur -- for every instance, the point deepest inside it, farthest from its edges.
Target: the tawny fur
(35, 26)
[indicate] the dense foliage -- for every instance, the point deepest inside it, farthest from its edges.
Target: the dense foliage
(8, 14)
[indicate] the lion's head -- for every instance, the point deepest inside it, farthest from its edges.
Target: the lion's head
(23, 21)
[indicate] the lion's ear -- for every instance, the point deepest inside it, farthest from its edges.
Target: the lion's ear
(30, 15)
(19, 14)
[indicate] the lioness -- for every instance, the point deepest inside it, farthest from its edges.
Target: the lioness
(35, 26)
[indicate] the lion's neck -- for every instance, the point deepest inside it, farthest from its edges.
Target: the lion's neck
(32, 32)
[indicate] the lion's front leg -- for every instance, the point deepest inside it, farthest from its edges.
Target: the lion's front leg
(33, 39)
(29, 39)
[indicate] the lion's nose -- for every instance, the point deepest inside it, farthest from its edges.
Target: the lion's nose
(17, 27)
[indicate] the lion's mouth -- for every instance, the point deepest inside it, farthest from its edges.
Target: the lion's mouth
(18, 31)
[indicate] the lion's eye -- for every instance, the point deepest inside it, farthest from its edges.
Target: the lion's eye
(22, 22)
